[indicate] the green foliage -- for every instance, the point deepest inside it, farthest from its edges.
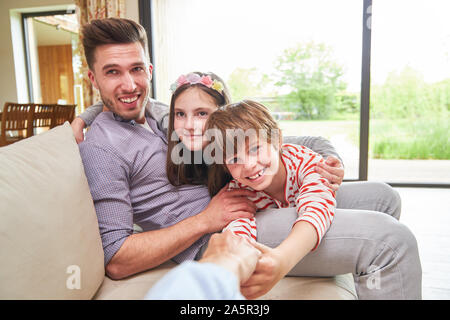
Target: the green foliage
(406, 94)
(409, 139)
(312, 77)
(247, 83)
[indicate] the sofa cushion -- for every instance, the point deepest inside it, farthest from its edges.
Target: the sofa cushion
(50, 247)
(340, 287)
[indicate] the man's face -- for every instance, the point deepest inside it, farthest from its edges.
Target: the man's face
(122, 75)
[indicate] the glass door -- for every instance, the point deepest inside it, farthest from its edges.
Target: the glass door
(409, 138)
(300, 58)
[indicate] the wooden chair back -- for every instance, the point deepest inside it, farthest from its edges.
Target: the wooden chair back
(43, 115)
(25, 118)
(63, 113)
(16, 117)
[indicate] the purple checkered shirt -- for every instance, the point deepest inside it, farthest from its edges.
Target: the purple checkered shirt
(125, 165)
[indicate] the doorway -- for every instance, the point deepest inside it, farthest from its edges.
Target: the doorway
(51, 40)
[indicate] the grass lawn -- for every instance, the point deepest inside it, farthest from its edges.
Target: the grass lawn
(389, 139)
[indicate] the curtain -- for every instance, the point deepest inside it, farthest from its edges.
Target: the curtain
(88, 10)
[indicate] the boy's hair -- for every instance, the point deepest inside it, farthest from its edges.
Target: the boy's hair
(234, 122)
(111, 31)
(190, 173)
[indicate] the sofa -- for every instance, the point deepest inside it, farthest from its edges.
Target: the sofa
(50, 246)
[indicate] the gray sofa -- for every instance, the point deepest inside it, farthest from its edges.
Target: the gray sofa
(50, 247)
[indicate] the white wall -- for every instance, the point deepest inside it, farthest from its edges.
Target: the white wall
(13, 83)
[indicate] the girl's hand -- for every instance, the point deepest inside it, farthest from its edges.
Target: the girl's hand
(269, 270)
(227, 206)
(332, 170)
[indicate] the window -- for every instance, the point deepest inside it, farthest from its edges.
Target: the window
(410, 92)
(302, 59)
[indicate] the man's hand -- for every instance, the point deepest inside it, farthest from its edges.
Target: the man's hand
(227, 206)
(77, 128)
(332, 170)
(232, 252)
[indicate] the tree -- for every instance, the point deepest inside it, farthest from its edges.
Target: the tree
(247, 83)
(311, 77)
(405, 94)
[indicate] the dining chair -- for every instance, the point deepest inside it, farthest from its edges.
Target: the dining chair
(63, 113)
(42, 117)
(16, 122)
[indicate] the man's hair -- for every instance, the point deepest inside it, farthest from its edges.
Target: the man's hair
(111, 31)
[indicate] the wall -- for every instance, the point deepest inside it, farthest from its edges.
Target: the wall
(13, 83)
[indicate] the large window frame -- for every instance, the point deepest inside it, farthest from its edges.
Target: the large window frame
(145, 19)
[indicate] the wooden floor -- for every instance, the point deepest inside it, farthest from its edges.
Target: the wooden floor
(427, 213)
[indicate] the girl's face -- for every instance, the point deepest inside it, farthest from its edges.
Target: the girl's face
(254, 165)
(192, 109)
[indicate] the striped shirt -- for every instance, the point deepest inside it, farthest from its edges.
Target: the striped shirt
(304, 189)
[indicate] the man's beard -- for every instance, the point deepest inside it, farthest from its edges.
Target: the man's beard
(111, 107)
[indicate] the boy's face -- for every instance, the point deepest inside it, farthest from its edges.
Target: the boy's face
(122, 74)
(254, 164)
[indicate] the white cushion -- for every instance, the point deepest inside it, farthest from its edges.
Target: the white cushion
(49, 236)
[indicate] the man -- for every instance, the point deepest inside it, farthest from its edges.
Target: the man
(124, 155)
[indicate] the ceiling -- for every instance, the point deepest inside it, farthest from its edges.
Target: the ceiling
(51, 34)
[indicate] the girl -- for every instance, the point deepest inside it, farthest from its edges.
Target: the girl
(281, 174)
(195, 96)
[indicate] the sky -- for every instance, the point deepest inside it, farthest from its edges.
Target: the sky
(219, 36)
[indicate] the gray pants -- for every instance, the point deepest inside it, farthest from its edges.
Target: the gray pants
(365, 239)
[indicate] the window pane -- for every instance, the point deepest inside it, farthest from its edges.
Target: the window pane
(410, 91)
(302, 59)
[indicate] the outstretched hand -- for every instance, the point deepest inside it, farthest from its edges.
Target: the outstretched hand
(232, 252)
(332, 170)
(268, 272)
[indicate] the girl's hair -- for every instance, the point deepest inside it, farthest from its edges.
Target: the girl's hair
(190, 173)
(245, 117)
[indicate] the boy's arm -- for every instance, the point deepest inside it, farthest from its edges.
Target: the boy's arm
(316, 201)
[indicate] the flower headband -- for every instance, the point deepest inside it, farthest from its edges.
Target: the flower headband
(193, 78)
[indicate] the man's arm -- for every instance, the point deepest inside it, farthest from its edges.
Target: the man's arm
(159, 111)
(127, 253)
(317, 144)
(332, 168)
(147, 250)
